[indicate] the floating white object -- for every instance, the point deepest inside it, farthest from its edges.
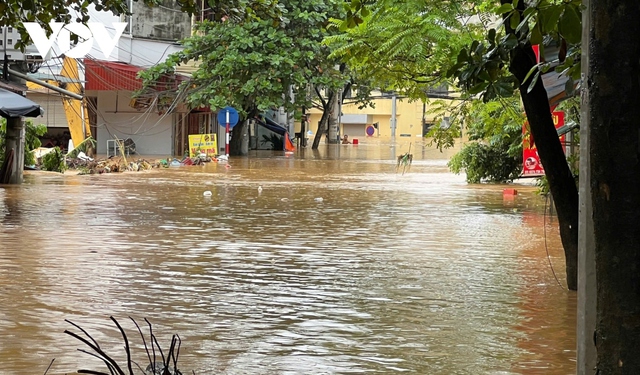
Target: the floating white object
(207, 193)
(260, 189)
(83, 156)
(284, 199)
(319, 199)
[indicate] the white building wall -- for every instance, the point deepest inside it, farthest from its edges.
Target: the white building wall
(145, 52)
(54, 114)
(152, 133)
(131, 49)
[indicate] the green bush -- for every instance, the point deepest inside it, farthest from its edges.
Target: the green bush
(54, 161)
(31, 140)
(482, 162)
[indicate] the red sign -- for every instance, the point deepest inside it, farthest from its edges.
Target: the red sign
(530, 159)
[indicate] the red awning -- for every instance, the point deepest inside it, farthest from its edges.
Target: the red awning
(110, 75)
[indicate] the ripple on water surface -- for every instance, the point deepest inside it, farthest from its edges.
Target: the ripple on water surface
(388, 273)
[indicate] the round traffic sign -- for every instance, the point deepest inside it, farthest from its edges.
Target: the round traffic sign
(370, 130)
(233, 116)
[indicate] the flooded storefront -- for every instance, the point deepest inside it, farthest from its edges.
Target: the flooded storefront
(338, 264)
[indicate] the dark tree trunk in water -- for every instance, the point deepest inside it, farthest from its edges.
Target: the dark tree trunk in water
(235, 143)
(561, 182)
(324, 121)
(614, 134)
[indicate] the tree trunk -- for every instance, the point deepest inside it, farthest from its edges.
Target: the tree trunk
(614, 134)
(235, 143)
(561, 182)
(322, 125)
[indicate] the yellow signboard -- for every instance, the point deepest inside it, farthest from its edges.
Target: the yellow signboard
(203, 144)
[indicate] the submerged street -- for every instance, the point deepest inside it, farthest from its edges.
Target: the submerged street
(387, 273)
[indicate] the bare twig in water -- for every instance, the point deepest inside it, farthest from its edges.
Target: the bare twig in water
(50, 364)
(169, 363)
(126, 344)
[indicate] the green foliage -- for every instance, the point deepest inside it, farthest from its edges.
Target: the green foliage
(481, 67)
(495, 128)
(31, 139)
(403, 46)
(84, 146)
(486, 163)
(250, 62)
(54, 161)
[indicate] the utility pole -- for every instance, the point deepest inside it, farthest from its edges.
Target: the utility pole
(587, 296)
(393, 116)
(333, 118)
(15, 133)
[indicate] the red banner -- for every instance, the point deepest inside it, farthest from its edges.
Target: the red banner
(530, 159)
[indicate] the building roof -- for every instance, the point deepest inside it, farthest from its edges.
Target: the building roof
(53, 77)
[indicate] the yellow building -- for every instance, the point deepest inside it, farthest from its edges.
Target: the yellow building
(413, 119)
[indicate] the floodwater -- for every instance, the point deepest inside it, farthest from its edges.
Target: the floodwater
(388, 273)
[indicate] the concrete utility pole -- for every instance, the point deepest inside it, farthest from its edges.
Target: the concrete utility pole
(15, 141)
(393, 115)
(291, 115)
(15, 138)
(586, 317)
(333, 118)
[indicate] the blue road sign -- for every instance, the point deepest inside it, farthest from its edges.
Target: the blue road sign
(233, 116)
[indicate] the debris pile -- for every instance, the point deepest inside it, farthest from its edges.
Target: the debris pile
(86, 165)
(112, 165)
(79, 161)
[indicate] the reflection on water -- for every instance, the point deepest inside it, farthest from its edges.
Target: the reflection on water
(419, 273)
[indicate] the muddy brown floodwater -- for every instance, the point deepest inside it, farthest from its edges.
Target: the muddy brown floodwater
(388, 273)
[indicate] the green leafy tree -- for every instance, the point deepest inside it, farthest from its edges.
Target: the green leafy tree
(31, 140)
(502, 62)
(495, 129)
(344, 85)
(526, 24)
(250, 62)
(402, 46)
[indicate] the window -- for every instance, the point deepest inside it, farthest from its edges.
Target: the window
(10, 29)
(9, 42)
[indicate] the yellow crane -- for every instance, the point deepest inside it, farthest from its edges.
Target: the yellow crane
(75, 110)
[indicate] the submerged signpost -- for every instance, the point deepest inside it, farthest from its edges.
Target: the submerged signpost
(230, 117)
